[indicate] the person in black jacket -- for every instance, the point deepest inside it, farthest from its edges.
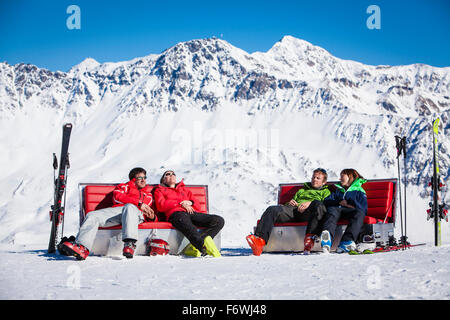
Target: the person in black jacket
(348, 201)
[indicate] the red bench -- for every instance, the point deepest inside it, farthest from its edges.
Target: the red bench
(380, 199)
(381, 195)
(99, 196)
(95, 196)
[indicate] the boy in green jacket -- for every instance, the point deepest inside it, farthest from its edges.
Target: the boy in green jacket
(306, 206)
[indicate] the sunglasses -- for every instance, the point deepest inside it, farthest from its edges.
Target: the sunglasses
(168, 174)
(141, 178)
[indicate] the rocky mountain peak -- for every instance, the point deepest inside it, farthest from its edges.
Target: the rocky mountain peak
(88, 64)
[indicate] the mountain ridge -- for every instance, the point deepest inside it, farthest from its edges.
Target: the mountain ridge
(294, 76)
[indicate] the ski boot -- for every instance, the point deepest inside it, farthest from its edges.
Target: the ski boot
(325, 241)
(210, 247)
(346, 246)
(77, 250)
(256, 243)
(309, 243)
(191, 251)
(62, 249)
(128, 248)
(367, 245)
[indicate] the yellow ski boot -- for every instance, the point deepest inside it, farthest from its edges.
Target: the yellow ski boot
(191, 251)
(211, 248)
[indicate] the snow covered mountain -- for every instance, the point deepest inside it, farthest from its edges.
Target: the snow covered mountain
(241, 123)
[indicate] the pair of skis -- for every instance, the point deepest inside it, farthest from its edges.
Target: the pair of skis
(57, 209)
(387, 249)
(437, 210)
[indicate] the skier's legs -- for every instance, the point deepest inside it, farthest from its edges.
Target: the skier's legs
(181, 220)
(271, 215)
(356, 222)
(331, 220)
(211, 222)
(131, 217)
(314, 216)
(95, 219)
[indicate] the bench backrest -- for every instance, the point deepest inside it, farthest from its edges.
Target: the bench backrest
(98, 196)
(380, 196)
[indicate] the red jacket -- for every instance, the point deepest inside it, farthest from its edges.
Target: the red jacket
(168, 199)
(128, 193)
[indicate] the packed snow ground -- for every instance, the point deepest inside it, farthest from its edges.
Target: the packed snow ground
(416, 273)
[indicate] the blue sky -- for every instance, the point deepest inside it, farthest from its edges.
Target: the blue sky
(35, 31)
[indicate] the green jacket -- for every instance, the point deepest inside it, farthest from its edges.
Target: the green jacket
(355, 195)
(356, 186)
(308, 193)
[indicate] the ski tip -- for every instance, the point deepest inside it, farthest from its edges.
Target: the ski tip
(436, 125)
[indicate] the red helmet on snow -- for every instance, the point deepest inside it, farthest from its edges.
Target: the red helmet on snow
(157, 247)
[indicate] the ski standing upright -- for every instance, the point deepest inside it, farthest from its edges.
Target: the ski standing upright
(57, 209)
(437, 211)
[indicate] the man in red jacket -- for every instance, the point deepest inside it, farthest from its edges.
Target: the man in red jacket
(176, 202)
(132, 206)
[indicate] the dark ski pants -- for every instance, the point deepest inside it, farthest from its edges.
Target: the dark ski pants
(354, 216)
(187, 224)
(282, 214)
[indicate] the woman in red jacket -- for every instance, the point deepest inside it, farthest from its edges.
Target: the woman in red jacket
(176, 202)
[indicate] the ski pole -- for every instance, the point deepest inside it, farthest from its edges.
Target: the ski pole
(403, 145)
(399, 151)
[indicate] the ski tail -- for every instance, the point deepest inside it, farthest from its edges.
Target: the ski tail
(57, 209)
(396, 247)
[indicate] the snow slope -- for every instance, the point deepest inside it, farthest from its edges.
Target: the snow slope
(418, 273)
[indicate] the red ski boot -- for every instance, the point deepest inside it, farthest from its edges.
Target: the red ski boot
(128, 249)
(256, 243)
(309, 243)
(74, 249)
